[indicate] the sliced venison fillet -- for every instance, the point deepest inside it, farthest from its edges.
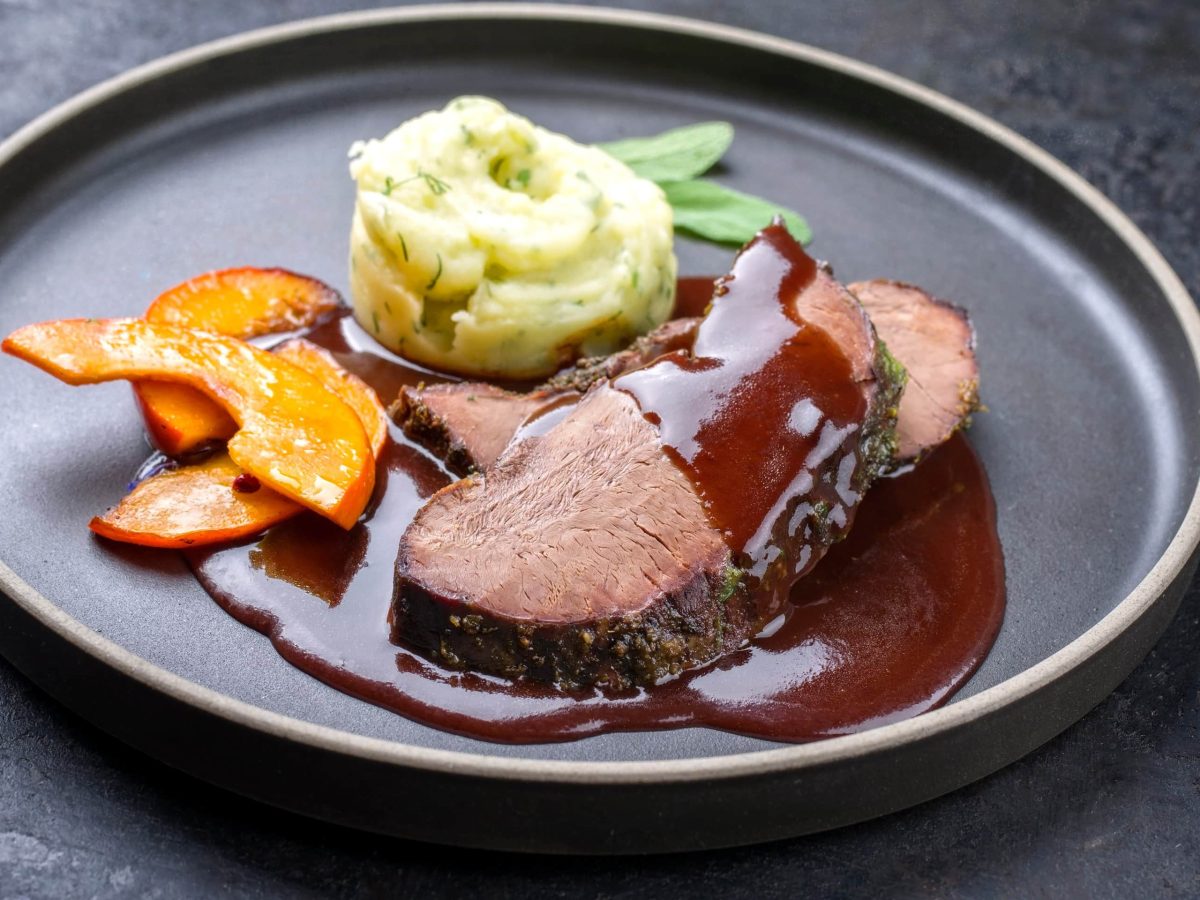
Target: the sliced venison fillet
(468, 424)
(935, 341)
(605, 553)
(584, 557)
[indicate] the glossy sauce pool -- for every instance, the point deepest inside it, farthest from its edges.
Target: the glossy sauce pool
(893, 620)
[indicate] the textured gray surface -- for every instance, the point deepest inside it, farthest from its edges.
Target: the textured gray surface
(1113, 805)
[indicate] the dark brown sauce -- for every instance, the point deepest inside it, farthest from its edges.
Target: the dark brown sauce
(693, 293)
(757, 371)
(890, 624)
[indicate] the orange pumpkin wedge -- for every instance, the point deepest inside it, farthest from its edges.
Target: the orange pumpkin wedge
(191, 506)
(246, 302)
(242, 303)
(294, 433)
(356, 393)
(198, 504)
(180, 419)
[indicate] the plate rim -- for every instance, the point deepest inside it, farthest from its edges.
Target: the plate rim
(792, 758)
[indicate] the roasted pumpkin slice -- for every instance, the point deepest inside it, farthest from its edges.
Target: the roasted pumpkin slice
(242, 303)
(214, 501)
(294, 433)
(207, 503)
(353, 390)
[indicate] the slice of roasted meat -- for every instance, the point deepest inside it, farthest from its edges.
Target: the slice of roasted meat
(933, 339)
(589, 556)
(467, 425)
(583, 557)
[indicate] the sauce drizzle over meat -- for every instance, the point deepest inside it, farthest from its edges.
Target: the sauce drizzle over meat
(757, 371)
(893, 620)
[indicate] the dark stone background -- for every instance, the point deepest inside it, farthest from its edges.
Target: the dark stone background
(1110, 808)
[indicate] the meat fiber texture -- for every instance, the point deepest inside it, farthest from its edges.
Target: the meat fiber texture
(577, 560)
(468, 424)
(936, 343)
(586, 556)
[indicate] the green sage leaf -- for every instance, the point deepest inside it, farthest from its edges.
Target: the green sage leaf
(675, 155)
(709, 211)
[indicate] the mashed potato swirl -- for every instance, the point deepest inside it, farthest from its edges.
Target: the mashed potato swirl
(485, 245)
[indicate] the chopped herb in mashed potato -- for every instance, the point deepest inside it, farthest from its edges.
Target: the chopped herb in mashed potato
(486, 245)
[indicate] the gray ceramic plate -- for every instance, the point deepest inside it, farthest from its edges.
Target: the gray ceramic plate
(235, 153)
